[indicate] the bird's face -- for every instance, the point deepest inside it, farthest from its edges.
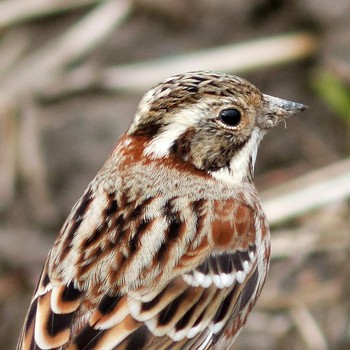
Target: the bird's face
(214, 121)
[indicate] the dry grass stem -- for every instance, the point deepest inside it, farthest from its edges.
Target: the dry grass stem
(310, 295)
(138, 77)
(307, 326)
(12, 49)
(313, 190)
(32, 166)
(8, 154)
(37, 69)
(231, 58)
(15, 11)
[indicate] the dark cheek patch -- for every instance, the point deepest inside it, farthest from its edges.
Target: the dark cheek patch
(208, 147)
(182, 146)
(218, 149)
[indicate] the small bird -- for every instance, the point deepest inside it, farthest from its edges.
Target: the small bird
(169, 246)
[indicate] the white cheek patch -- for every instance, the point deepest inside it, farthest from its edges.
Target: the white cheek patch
(160, 146)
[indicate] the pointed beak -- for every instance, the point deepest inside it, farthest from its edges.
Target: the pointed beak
(288, 106)
(277, 109)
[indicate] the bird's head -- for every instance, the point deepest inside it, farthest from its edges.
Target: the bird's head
(214, 121)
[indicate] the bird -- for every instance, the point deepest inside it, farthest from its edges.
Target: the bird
(169, 246)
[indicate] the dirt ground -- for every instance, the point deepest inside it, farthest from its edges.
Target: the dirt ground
(54, 137)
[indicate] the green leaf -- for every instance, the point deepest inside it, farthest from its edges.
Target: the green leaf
(334, 92)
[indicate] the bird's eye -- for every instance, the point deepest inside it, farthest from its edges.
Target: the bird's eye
(230, 117)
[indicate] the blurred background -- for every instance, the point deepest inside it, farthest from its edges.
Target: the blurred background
(71, 75)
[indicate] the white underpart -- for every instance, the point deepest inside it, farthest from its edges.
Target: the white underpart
(255, 149)
(239, 165)
(160, 146)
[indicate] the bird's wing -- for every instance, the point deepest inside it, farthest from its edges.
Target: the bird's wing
(153, 275)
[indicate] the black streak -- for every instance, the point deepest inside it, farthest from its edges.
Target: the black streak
(249, 289)
(70, 293)
(138, 339)
(58, 323)
(87, 338)
(108, 303)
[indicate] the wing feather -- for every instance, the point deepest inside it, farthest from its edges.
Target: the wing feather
(181, 296)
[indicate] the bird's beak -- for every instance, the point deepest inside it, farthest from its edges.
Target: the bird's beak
(277, 109)
(276, 103)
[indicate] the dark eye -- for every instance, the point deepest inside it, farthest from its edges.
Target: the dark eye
(230, 117)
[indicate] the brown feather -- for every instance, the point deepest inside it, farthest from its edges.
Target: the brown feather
(168, 247)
